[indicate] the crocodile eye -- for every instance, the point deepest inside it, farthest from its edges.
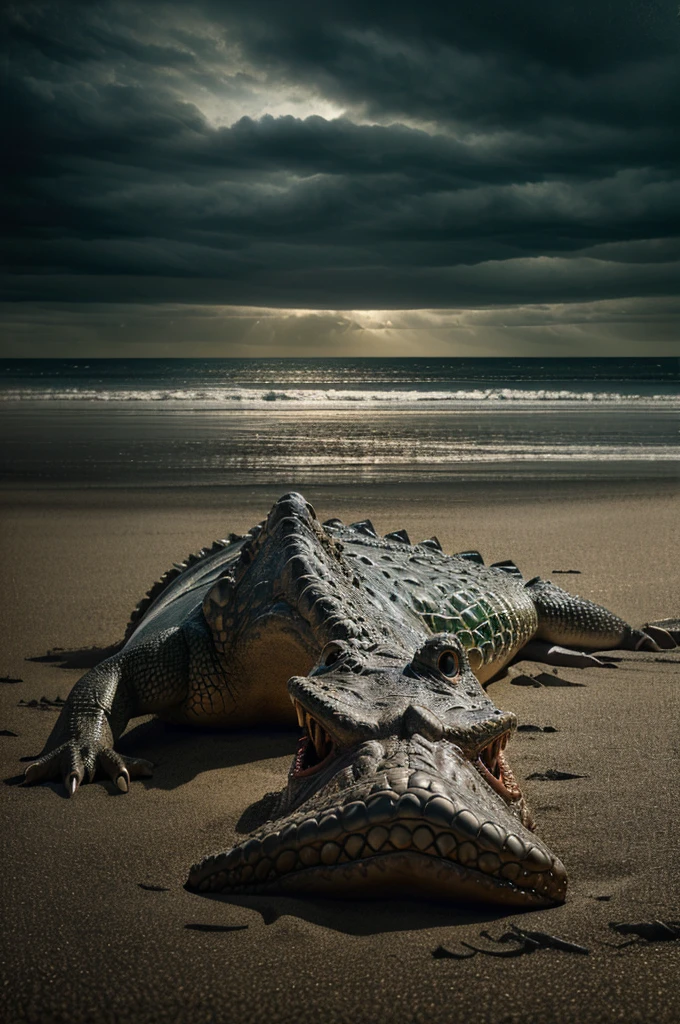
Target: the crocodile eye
(331, 658)
(448, 664)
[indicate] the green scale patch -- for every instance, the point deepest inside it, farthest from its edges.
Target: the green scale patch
(474, 620)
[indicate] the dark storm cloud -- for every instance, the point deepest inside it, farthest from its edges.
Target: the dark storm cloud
(468, 155)
(488, 63)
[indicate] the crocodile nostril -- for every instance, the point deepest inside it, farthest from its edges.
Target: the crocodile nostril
(417, 719)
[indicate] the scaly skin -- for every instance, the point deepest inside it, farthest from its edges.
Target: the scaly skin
(131, 683)
(216, 641)
(387, 791)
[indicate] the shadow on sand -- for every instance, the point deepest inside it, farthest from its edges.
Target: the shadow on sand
(367, 916)
(84, 657)
(181, 753)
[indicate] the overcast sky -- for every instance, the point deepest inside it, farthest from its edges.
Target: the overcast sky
(342, 178)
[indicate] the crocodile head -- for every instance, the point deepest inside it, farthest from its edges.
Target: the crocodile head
(400, 784)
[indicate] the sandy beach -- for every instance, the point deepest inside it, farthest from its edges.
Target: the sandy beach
(96, 923)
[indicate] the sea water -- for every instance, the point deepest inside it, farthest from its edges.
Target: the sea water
(297, 422)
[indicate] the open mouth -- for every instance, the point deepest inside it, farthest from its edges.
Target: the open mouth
(316, 746)
(399, 832)
(492, 765)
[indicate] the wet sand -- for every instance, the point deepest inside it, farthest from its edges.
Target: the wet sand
(96, 923)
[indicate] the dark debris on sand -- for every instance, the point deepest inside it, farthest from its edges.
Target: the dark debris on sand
(519, 942)
(44, 704)
(197, 927)
(554, 775)
(646, 931)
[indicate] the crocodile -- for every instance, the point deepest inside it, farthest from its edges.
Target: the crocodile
(380, 647)
(400, 783)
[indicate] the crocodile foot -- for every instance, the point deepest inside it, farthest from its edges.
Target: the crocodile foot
(655, 638)
(73, 762)
(553, 654)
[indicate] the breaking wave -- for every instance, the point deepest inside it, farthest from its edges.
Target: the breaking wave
(225, 397)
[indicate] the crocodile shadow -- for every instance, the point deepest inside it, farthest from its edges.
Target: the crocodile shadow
(78, 658)
(368, 917)
(181, 753)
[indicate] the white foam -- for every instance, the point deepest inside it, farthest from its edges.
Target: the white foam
(262, 398)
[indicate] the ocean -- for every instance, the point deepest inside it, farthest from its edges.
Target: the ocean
(300, 422)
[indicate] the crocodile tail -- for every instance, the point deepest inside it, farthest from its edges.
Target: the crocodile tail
(161, 585)
(574, 621)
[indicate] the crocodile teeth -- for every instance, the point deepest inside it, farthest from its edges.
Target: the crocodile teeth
(321, 741)
(490, 755)
(493, 767)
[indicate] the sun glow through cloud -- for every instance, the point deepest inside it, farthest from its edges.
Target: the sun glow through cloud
(428, 184)
(225, 110)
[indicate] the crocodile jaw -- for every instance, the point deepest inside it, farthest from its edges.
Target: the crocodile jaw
(442, 834)
(413, 875)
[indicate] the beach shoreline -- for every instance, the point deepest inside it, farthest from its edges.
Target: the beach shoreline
(98, 920)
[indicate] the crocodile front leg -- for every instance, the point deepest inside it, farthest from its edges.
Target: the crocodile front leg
(140, 680)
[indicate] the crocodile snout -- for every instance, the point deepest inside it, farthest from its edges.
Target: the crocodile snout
(422, 831)
(400, 783)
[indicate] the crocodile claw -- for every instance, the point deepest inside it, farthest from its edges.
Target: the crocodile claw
(662, 638)
(553, 654)
(73, 762)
